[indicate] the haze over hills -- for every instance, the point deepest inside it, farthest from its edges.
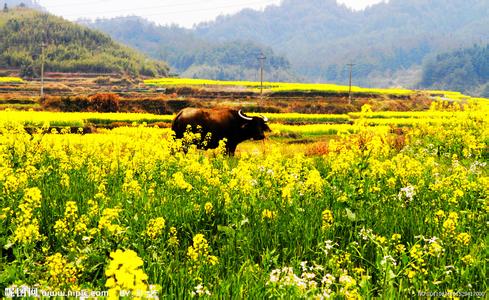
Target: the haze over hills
(27, 3)
(319, 36)
(387, 42)
(391, 44)
(192, 56)
(69, 47)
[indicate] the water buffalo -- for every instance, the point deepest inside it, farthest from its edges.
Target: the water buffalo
(222, 123)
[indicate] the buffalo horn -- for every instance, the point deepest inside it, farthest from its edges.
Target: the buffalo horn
(243, 116)
(265, 119)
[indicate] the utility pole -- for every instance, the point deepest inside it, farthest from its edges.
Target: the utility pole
(42, 69)
(349, 91)
(262, 61)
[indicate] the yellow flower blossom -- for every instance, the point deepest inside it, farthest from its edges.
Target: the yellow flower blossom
(208, 208)
(463, 238)
(124, 273)
(416, 253)
(27, 225)
(65, 181)
(435, 249)
(179, 181)
(155, 227)
(60, 271)
(173, 240)
(108, 216)
(268, 215)
(400, 248)
(468, 259)
(327, 218)
(450, 225)
(410, 273)
(396, 237)
(199, 251)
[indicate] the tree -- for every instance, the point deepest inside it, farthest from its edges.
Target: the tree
(5, 7)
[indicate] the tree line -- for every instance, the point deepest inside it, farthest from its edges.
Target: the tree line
(465, 70)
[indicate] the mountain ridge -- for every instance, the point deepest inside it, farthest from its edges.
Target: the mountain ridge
(319, 38)
(192, 56)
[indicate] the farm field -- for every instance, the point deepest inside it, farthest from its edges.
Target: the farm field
(346, 207)
(287, 87)
(280, 121)
(10, 79)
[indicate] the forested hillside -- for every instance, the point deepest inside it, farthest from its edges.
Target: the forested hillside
(192, 56)
(387, 42)
(319, 36)
(465, 70)
(68, 47)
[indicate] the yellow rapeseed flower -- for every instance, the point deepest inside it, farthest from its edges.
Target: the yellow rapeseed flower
(173, 240)
(179, 181)
(327, 218)
(435, 249)
(199, 251)
(396, 237)
(463, 238)
(155, 227)
(450, 225)
(267, 214)
(468, 259)
(60, 271)
(416, 253)
(108, 216)
(208, 208)
(410, 273)
(124, 273)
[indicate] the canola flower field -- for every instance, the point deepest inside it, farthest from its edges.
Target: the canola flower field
(125, 210)
(11, 80)
(310, 124)
(277, 87)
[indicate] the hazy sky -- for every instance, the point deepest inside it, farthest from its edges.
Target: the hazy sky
(182, 12)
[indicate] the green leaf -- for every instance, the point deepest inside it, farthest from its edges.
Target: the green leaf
(351, 215)
(226, 229)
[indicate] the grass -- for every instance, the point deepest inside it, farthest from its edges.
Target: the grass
(80, 119)
(306, 118)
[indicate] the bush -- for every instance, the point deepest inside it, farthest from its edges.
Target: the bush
(65, 103)
(105, 102)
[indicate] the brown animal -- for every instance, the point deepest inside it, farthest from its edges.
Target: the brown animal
(222, 123)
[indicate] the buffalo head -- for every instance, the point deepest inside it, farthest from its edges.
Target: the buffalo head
(254, 127)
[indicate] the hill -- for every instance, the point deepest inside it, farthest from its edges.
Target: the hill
(320, 36)
(68, 47)
(464, 70)
(192, 56)
(388, 42)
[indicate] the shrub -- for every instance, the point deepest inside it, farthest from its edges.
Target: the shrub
(65, 103)
(104, 102)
